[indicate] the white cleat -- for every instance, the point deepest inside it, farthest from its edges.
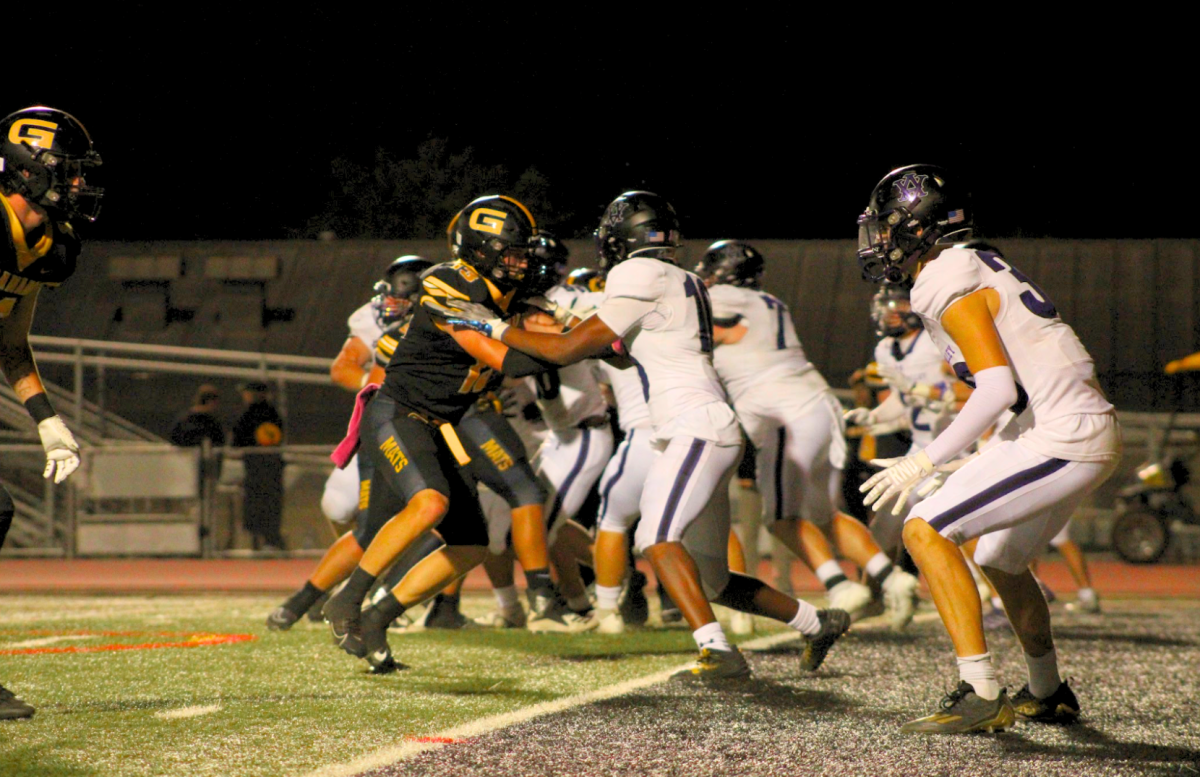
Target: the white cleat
(741, 624)
(610, 622)
(899, 600)
(852, 597)
(503, 619)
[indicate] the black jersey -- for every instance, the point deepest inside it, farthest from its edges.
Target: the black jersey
(29, 260)
(429, 372)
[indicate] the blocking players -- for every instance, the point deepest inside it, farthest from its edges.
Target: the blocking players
(795, 424)
(1000, 332)
(436, 373)
(46, 156)
(663, 318)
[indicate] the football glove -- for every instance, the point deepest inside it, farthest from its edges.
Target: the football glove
(859, 416)
(904, 384)
(62, 452)
(472, 315)
(897, 480)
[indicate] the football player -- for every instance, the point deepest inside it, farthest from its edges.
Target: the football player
(663, 319)
(46, 159)
(794, 422)
(1001, 333)
(436, 373)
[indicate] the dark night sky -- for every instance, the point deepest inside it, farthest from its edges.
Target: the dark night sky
(223, 125)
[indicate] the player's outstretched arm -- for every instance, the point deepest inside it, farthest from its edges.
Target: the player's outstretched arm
(590, 339)
(350, 366)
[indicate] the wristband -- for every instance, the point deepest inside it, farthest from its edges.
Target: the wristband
(39, 407)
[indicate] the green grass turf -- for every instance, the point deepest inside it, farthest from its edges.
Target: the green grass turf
(290, 702)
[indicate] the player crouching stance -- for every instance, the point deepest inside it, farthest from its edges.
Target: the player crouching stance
(1003, 336)
(663, 318)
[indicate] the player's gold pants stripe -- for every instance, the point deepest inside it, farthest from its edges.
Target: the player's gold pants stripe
(456, 446)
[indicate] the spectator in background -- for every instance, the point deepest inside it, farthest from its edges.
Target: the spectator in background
(261, 427)
(201, 421)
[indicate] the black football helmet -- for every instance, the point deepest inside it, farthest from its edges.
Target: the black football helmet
(586, 277)
(890, 302)
(547, 264)
(397, 292)
(637, 223)
(46, 156)
(492, 235)
(732, 262)
(912, 209)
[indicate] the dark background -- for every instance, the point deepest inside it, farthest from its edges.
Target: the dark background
(222, 124)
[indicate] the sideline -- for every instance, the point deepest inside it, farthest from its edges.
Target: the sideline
(417, 745)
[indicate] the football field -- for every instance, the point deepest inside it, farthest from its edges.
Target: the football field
(195, 685)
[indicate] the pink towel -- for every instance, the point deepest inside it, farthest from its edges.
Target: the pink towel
(346, 449)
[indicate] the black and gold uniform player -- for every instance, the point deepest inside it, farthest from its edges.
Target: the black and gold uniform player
(44, 157)
(436, 373)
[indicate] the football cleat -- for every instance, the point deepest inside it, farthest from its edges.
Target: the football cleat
(715, 666)
(345, 622)
(1059, 707)
(899, 598)
(670, 616)
(741, 623)
(551, 614)
(11, 707)
(962, 710)
(376, 650)
(834, 624)
(442, 615)
(635, 610)
(610, 622)
(1085, 603)
(281, 619)
(503, 619)
(854, 598)
(314, 612)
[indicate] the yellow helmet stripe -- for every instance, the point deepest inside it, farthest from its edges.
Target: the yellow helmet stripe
(524, 210)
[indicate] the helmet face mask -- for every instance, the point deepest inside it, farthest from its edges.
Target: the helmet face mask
(547, 257)
(637, 223)
(397, 293)
(46, 156)
(492, 234)
(910, 211)
(891, 312)
(587, 278)
(732, 262)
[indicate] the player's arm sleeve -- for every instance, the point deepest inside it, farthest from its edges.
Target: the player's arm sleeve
(995, 391)
(631, 293)
(518, 365)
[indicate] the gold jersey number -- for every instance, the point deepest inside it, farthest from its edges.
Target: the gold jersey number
(477, 378)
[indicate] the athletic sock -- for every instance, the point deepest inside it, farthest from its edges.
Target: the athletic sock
(506, 597)
(805, 621)
(300, 602)
(388, 608)
(359, 583)
(998, 603)
(1043, 674)
(877, 569)
(538, 581)
(711, 637)
(830, 574)
(579, 603)
(607, 597)
(979, 672)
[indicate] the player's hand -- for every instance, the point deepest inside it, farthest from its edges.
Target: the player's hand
(472, 315)
(1173, 366)
(859, 416)
(904, 384)
(896, 481)
(62, 452)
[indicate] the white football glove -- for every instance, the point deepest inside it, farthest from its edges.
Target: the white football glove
(62, 452)
(897, 480)
(859, 416)
(904, 384)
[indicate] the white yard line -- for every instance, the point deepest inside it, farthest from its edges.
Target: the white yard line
(43, 641)
(187, 712)
(394, 753)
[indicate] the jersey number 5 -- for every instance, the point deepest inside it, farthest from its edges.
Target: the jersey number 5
(1034, 298)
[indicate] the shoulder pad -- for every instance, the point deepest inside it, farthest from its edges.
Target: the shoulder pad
(951, 276)
(643, 279)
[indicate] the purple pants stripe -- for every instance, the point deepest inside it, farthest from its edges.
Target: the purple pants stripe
(570, 480)
(997, 490)
(779, 453)
(620, 471)
(681, 481)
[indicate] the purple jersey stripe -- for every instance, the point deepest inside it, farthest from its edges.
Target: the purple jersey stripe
(570, 480)
(681, 481)
(997, 490)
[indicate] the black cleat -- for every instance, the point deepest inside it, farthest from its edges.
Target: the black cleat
(314, 612)
(834, 624)
(715, 666)
(962, 711)
(344, 619)
(377, 651)
(634, 608)
(443, 614)
(670, 615)
(1059, 707)
(281, 619)
(13, 708)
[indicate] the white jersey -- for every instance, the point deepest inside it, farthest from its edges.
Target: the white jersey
(919, 360)
(1056, 378)
(664, 317)
(577, 396)
(362, 324)
(632, 410)
(767, 366)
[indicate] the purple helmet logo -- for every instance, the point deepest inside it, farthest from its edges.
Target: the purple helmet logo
(910, 187)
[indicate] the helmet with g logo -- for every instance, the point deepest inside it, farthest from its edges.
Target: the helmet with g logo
(46, 156)
(489, 229)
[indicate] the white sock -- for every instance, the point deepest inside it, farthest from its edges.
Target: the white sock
(979, 672)
(997, 603)
(579, 603)
(1043, 674)
(829, 569)
(506, 597)
(805, 621)
(607, 596)
(1087, 595)
(877, 564)
(712, 637)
